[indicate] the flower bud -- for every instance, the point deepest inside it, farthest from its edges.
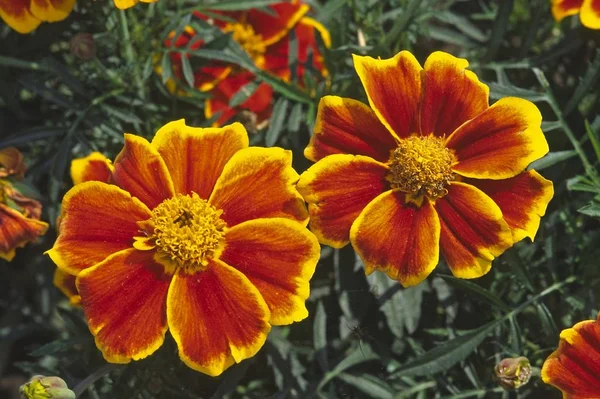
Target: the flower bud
(83, 46)
(41, 387)
(512, 373)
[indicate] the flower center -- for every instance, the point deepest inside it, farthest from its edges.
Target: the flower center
(251, 42)
(187, 230)
(422, 166)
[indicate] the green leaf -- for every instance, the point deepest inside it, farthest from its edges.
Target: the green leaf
(499, 90)
(243, 94)
(188, 74)
(27, 136)
(58, 346)
(592, 209)
(586, 84)
(238, 5)
(461, 23)
(362, 354)
(476, 290)
(320, 337)
(295, 118)
(166, 68)
(499, 28)
(551, 159)
(278, 116)
(369, 385)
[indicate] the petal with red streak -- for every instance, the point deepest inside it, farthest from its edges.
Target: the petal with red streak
(473, 230)
(337, 189)
(52, 10)
(94, 167)
(346, 126)
(217, 317)
(16, 14)
(97, 220)
(451, 94)
(590, 14)
(564, 8)
(124, 299)
(140, 170)
(195, 157)
(523, 200)
(17, 230)
(65, 282)
(500, 142)
(274, 27)
(397, 237)
(258, 183)
(393, 88)
(279, 257)
(574, 367)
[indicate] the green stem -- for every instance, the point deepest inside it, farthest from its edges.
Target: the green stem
(16, 63)
(129, 52)
(90, 379)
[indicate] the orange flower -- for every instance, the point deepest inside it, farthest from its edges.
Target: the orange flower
(574, 367)
(429, 164)
(25, 16)
(265, 36)
(199, 234)
(589, 11)
(124, 4)
(19, 216)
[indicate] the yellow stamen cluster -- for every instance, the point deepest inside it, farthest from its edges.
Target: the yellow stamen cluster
(422, 166)
(251, 42)
(187, 230)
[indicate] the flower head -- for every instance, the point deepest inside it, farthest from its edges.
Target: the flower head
(41, 387)
(197, 233)
(125, 4)
(265, 37)
(25, 16)
(429, 165)
(574, 367)
(589, 11)
(512, 373)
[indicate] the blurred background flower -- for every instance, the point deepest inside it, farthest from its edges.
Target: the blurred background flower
(25, 16)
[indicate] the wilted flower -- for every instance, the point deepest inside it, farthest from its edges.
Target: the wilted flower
(428, 166)
(588, 10)
(83, 46)
(41, 387)
(25, 16)
(513, 373)
(197, 233)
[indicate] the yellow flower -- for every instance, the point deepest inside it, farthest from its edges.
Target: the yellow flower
(589, 11)
(25, 16)
(124, 4)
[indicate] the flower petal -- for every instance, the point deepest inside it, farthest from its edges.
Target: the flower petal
(196, 157)
(97, 220)
(398, 238)
(51, 10)
(279, 257)
(393, 87)
(11, 163)
(17, 230)
(564, 8)
(140, 169)
(273, 28)
(217, 317)
(590, 14)
(94, 167)
(473, 230)
(346, 126)
(124, 4)
(16, 14)
(65, 282)
(523, 200)
(451, 94)
(124, 300)
(258, 183)
(574, 367)
(500, 142)
(337, 189)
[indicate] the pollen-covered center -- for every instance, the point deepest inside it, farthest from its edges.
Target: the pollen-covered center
(249, 40)
(188, 230)
(422, 166)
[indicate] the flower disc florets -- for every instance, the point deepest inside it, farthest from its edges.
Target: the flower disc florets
(251, 42)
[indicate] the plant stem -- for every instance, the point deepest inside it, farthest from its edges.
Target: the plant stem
(130, 53)
(90, 379)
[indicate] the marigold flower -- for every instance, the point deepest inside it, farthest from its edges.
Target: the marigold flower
(429, 164)
(589, 11)
(574, 367)
(25, 16)
(19, 216)
(265, 36)
(41, 387)
(199, 234)
(124, 4)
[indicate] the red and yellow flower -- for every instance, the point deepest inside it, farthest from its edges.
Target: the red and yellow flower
(125, 4)
(197, 234)
(574, 367)
(19, 215)
(265, 36)
(25, 16)
(588, 10)
(428, 166)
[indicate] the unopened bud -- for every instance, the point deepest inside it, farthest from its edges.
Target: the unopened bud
(512, 373)
(41, 387)
(83, 46)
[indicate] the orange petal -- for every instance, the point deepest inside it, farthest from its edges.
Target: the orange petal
(523, 200)
(51, 10)
(500, 142)
(16, 14)
(65, 282)
(590, 14)
(398, 238)
(337, 189)
(279, 257)
(140, 169)
(259, 183)
(27, 206)
(473, 230)
(17, 230)
(97, 220)
(124, 300)
(564, 8)
(274, 27)
(346, 126)
(11, 163)
(451, 94)
(574, 367)
(124, 4)
(217, 317)
(94, 167)
(195, 157)
(393, 87)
